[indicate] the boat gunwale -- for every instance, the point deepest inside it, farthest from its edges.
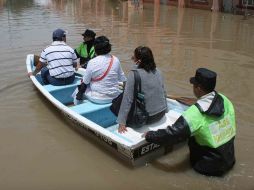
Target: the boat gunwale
(106, 136)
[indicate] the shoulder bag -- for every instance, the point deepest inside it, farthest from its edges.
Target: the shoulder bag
(138, 115)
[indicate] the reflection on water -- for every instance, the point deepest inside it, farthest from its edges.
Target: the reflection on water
(38, 147)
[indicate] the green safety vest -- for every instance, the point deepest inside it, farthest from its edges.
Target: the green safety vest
(212, 131)
(82, 51)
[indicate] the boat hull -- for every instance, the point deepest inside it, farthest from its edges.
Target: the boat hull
(97, 121)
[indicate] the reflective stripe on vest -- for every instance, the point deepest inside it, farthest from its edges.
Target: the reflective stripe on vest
(212, 131)
(82, 51)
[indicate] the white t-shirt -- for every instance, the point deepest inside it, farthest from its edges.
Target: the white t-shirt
(107, 88)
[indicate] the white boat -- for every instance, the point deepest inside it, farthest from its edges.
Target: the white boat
(97, 121)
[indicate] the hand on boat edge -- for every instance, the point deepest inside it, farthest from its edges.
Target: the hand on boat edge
(144, 134)
(30, 74)
(122, 128)
(184, 100)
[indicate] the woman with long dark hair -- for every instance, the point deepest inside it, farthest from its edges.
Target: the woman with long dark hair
(152, 87)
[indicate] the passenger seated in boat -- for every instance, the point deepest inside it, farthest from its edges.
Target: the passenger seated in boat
(152, 87)
(85, 51)
(57, 61)
(102, 76)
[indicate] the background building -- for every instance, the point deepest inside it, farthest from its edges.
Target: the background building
(234, 6)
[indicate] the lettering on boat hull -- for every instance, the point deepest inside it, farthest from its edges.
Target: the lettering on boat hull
(130, 154)
(145, 149)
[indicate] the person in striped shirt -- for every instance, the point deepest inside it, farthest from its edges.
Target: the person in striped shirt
(57, 61)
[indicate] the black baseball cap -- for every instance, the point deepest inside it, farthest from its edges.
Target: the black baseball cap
(205, 78)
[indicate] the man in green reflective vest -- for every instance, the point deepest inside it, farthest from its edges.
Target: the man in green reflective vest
(209, 125)
(85, 51)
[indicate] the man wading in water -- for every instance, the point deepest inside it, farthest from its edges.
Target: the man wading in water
(209, 125)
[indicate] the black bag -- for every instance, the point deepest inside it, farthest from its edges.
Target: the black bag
(116, 103)
(138, 115)
(81, 90)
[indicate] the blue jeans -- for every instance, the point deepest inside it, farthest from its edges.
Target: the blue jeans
(47, 79)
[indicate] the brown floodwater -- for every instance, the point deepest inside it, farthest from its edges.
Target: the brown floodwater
(38, 149)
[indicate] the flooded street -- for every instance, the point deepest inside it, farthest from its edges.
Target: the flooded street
(38, 148)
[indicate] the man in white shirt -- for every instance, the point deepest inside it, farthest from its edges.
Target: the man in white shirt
(57, 61)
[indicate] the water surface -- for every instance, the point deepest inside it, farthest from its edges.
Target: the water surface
(39, 150)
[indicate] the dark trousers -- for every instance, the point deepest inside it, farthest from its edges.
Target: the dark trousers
(209, 163)
(47, 79)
